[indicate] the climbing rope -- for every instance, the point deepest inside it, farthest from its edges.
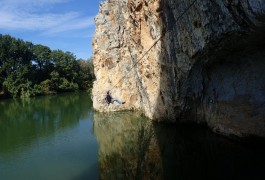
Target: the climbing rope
(156, 41)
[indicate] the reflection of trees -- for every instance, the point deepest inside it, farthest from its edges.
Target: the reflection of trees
(131, 147)
(23, 122)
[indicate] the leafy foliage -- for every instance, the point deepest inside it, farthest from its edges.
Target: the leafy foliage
(29, 70)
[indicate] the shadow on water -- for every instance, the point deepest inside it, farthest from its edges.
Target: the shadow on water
(23, 122)
(89, 173)
(190, 152)
(131, 147)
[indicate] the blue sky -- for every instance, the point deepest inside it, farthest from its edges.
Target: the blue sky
(59, 24)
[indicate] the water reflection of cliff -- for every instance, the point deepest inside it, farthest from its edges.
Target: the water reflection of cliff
(126, 147)
(23, 122)
(130, 147)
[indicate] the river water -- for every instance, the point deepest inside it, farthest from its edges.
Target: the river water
(61, 138)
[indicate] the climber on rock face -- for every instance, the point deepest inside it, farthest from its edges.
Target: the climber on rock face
(109, 99)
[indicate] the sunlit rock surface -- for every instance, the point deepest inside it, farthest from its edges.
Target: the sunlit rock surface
(206, 61)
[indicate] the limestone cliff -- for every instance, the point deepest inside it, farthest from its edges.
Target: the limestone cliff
(193, 60)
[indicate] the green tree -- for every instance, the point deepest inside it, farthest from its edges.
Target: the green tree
(42, 62)
(15, 62)
(28, 70)
(86, 73)
(65, 64)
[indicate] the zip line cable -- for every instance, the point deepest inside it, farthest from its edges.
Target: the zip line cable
(156, 41)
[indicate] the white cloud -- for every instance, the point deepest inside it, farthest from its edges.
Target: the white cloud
(25, 21)
(13, 3)
(73, 24)
(29, 15)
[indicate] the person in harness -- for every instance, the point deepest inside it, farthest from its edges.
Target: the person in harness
(109, 99)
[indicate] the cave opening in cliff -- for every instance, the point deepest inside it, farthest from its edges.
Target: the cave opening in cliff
(228, 87)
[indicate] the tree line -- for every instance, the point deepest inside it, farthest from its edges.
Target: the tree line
(30, 70)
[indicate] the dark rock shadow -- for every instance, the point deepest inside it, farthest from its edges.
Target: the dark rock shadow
(222, 84)
(193, 152)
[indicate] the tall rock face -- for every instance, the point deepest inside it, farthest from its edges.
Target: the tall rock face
(181, 60)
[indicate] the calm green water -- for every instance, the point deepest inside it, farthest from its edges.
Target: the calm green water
(61, 138)
(48, 138)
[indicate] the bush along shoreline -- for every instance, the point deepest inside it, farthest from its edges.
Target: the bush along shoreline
(28, 70)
